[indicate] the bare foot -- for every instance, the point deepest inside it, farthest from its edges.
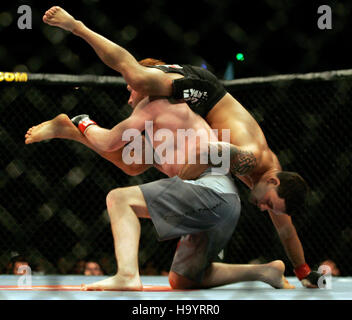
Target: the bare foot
(58, 17)
(274, 275)
(59, 127)
(115, 283)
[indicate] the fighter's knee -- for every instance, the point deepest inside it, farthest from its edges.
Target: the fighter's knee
(115, 196)
(174, 280)
(180, 282)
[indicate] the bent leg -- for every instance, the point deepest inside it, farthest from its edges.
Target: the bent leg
(271, 273)
(180, 282)
(124, 206)
(219, 274)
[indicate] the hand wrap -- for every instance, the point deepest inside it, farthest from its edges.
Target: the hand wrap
(304, 272)
(82, 121)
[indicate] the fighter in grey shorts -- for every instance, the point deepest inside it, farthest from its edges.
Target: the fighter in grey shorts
(203, 212)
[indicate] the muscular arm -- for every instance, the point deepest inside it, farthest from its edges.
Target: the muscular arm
(225, 155)
(116, 158)
(109, 140)
(289, 238)
(242, 161)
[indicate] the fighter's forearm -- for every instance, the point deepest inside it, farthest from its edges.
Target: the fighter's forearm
(109, 52)
(116, 157)
(103, 139)
(294, 250)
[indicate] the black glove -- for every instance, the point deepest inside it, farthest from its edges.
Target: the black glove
(312, 280)
(82, 121)
(308, 278)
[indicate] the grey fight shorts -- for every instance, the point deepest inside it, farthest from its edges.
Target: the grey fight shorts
(203, 217)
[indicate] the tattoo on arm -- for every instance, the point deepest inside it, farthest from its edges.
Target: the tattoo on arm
(241, 162)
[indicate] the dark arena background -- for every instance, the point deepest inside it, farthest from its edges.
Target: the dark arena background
(293, 77)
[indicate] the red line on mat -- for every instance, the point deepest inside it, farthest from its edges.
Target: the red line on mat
(74, 288)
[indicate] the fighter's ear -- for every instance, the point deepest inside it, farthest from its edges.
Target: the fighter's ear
(273, 180)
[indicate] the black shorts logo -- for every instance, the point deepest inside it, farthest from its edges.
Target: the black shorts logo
(194, 96)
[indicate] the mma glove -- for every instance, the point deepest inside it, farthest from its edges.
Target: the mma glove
(307, 277)
(82, 122)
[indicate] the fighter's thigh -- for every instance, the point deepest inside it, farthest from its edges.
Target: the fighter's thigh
(131, 196)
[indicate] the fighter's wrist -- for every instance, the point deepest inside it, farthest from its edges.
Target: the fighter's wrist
(302, 271)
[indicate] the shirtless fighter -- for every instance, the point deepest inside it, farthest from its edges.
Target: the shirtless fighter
(203, 212)
(272, 189)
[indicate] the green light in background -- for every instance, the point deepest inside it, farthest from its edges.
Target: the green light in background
(239, 57)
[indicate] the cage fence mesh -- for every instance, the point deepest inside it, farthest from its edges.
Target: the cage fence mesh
(53, 193)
